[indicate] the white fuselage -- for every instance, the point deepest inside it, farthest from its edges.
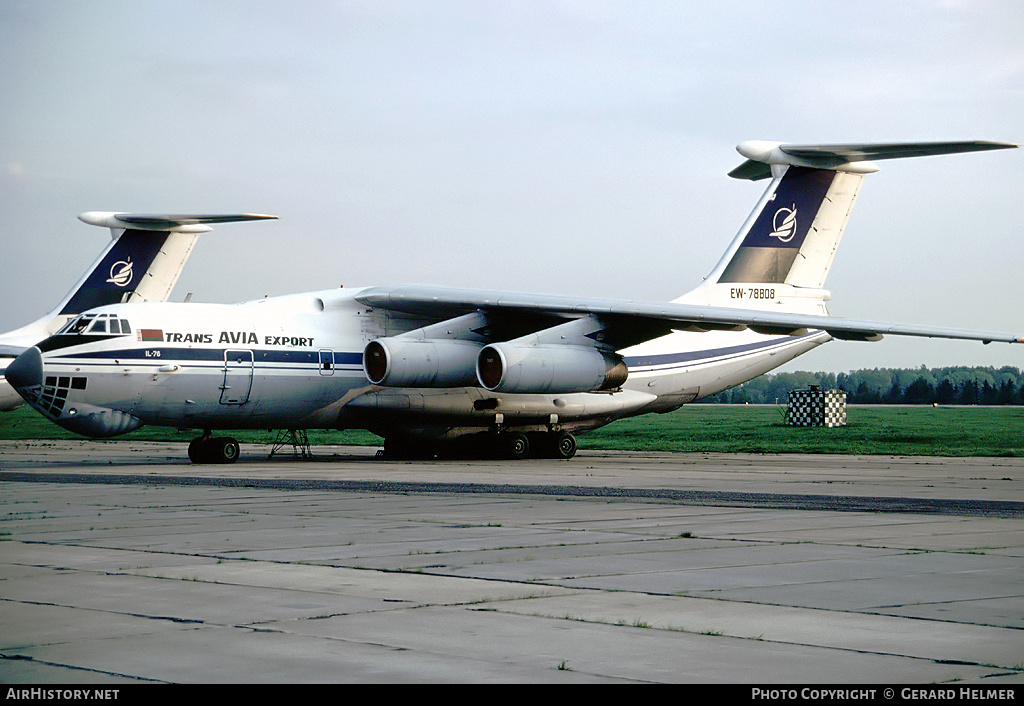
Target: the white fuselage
(296, 362)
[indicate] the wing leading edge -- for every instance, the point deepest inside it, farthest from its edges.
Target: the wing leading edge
(633, 322)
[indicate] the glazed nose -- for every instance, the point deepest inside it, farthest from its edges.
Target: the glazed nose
(26, 370)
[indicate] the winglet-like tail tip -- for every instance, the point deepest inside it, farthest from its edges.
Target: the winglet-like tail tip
(176, 223)
(854, 157)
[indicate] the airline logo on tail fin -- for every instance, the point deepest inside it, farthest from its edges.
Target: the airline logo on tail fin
(116, 276)
(773, 241)
(121, 273)
(785, 224)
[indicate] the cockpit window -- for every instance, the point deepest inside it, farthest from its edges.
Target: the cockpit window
(95, 324)
(76, 326)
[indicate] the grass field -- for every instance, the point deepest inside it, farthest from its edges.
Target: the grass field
(901, 431)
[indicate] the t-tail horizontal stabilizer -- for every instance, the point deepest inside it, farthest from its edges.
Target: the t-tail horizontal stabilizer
(161, 222)
(762, 156)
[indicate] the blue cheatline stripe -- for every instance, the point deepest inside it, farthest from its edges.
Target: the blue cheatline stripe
(306, 359)
(708, 354)
(214, 354)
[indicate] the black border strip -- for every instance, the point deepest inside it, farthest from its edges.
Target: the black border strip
(1007, 509)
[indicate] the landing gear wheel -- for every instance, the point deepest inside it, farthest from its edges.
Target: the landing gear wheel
(563, 445)
(220, 450)
(195, 450)
(516, 446)
(225, 450)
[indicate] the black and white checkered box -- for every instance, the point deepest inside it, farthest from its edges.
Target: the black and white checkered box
(817, 408)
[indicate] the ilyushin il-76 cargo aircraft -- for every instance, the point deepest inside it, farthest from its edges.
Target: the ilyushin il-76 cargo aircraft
(435, 370)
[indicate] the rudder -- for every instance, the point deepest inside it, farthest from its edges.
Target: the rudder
(793, 238)
(120, 273)
(782, 255)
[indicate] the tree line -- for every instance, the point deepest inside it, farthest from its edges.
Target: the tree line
(946, 386)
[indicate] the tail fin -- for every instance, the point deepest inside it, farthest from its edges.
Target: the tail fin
(144, 259)
(142, 262)
(783, 253)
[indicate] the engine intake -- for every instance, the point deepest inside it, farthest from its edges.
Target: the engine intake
(398, 362)
(507, 367)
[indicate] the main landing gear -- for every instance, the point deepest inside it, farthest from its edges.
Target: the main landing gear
(516, 445)
(206, 449)
(512, 445)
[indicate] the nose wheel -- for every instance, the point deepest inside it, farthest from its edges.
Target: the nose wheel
(206, 449)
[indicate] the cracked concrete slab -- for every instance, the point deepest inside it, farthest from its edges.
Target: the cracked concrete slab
(122, 575)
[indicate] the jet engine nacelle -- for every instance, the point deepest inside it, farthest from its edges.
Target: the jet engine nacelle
(507, 367)
(401, 362)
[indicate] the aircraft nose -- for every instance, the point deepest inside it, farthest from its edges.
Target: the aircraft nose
(26, 370)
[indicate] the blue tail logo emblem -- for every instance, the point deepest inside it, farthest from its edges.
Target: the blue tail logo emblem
(784, 224)
(121, 273)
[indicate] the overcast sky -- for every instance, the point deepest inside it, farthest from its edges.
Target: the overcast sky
(564, 147)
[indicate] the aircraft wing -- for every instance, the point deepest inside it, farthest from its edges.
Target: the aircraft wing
(12, 351)
(628, 322)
